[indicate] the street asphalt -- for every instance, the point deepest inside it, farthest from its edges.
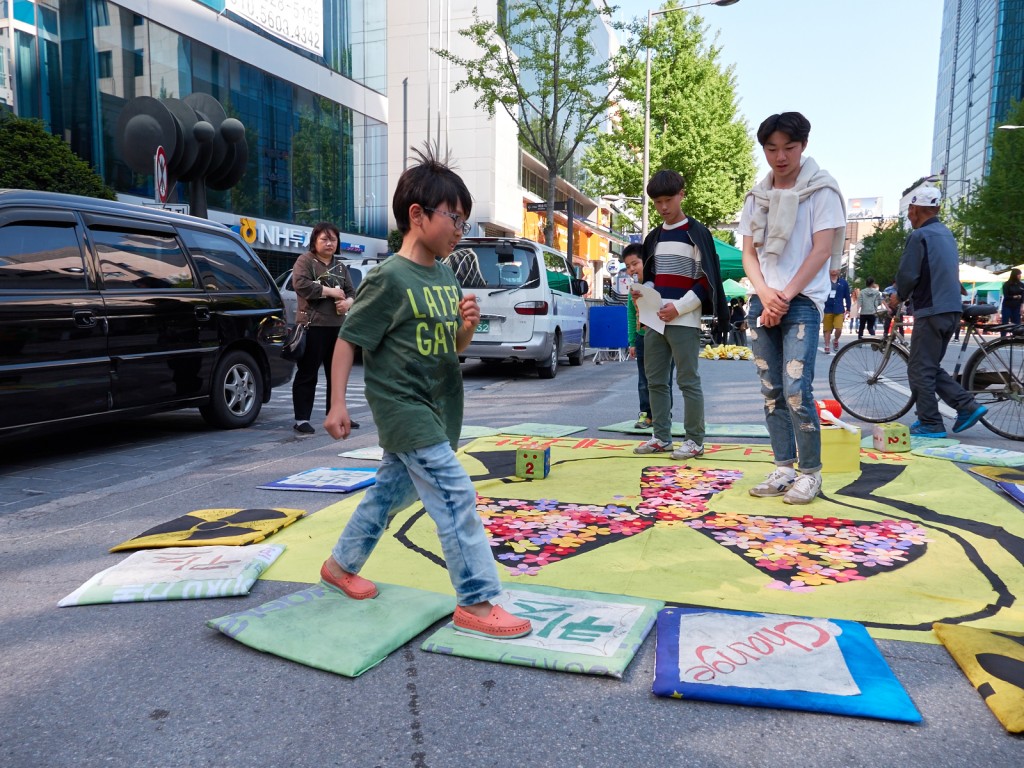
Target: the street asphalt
(148, 684)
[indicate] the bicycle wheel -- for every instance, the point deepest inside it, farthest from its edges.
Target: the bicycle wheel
(870, 383)
(996, 380)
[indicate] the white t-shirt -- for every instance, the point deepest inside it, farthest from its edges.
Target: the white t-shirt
(822, 210)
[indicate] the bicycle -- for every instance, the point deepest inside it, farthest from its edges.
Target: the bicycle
(869, 377)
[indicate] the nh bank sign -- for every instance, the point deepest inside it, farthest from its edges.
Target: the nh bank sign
(281, 237)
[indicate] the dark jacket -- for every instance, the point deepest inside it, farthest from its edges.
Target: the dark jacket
(716, 304)
(841, 302)
(929, 271)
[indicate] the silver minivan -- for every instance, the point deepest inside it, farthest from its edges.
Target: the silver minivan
(531, 302)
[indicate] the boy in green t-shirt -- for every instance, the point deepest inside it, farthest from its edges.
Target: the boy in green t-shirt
(411, 320)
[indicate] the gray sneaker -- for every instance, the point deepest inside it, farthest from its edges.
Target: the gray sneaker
(688, 450)
(654, 445)
(805, 488)
(777, 483)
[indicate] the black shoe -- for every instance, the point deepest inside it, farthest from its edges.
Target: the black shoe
(305, 428)
(354, 424)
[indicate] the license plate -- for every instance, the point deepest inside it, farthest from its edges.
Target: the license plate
(484, 327)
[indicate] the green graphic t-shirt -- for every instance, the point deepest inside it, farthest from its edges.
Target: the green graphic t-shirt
(405, 318)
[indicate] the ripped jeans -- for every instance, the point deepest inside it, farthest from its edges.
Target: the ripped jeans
(784, 357)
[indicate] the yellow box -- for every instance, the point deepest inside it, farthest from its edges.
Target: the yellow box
(840, 450)
(891, 436)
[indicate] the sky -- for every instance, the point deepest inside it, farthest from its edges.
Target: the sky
(864, 73)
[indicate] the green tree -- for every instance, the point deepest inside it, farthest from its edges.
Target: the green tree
(993, 216)
(537, 63)
(695, 125)
(32, 158)
(880, 252)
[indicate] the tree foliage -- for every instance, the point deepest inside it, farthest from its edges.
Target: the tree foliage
(880, 252)
(32, 158)
(695, 125)
(993, 217)
(539, 65)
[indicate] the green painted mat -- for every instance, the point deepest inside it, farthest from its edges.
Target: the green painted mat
(711, 430)
(902, 543)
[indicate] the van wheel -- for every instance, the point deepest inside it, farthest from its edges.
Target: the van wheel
(576, 358)
(236, 393)
(547, 369)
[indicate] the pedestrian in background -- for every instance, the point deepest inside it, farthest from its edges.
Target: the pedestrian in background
(870, 301)
(412, 321)
(837, 305)
(1013, 296)
(793, 225)
(681, 263)
(738, 321)
(325, 293)
(631, 257)
(929, 276)
(854, 309)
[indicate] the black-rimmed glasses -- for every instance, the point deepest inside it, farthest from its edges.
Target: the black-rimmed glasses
(459, 222)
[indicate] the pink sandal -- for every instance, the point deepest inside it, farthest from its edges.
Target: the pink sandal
(351, 584)
(499, 623)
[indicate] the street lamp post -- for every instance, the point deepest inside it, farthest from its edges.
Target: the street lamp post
(647, 99)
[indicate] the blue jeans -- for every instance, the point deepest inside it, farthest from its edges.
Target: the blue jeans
(784, 357)
(436, 477)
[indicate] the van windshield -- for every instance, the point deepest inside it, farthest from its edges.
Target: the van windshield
(478, 266)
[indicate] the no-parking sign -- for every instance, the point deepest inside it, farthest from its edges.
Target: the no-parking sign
(160, 175)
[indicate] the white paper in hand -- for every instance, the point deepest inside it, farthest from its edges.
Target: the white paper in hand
(647, 306)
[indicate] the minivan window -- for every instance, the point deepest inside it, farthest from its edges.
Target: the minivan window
(137, 260)
(41, 255)
(477, 266)
(223, 264)
(559, 276)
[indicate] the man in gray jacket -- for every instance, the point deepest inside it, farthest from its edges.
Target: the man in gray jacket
(928, 275)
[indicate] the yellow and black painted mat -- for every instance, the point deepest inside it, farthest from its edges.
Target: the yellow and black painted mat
(905, 542)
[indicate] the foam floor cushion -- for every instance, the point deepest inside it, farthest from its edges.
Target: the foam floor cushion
(678, 430)
(321, 628)
(973, 454)
(773, 660)
(177, 573)
(541, 430)
(585, 632)
(325, 480)
(916, 441)
(994, 663)
(470, 431)
(370, 453)
(206, 527)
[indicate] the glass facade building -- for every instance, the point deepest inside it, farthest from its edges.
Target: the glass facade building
(313, 153)
(981, 72)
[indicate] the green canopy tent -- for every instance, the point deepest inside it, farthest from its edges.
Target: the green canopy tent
(730, 259)
(733, 288)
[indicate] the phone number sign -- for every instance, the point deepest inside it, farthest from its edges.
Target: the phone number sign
(300, 22)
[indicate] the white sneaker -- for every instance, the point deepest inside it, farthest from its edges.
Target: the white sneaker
(688, 450)
(805, 488)
(777, 483)
(654, 445)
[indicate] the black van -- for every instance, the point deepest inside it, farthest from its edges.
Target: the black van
(110, 310)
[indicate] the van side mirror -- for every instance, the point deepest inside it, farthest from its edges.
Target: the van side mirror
(506, 253)
(580, 287)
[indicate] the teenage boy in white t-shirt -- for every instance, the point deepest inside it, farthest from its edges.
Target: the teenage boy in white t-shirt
(793, 225)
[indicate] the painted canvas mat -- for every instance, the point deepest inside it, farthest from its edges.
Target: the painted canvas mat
(581, 632)
(177, 573)
(903, 543)
(322, 628)
(206, 527)
(769, 660)
(994, 663)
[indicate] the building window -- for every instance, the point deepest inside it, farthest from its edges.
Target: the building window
(138, 62)
(105, 64)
